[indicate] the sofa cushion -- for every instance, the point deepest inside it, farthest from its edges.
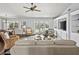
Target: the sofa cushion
(6, 35)
(25, 42)
(64, 42)
(45, 42)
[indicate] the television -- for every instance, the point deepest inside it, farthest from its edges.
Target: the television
(63, 25)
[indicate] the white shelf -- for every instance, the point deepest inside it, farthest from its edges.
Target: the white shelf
(75, 21)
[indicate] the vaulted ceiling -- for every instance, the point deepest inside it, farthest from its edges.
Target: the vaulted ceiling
(47, 9)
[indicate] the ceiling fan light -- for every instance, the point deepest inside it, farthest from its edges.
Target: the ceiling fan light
(31, 3)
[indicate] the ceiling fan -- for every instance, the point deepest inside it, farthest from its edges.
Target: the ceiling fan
(32, 8)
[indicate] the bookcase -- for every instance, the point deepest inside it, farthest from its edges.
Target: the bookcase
(74, 22)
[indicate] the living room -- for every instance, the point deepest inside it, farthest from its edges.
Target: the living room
(39, 28)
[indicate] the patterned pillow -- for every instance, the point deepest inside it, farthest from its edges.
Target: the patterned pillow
(6, 35)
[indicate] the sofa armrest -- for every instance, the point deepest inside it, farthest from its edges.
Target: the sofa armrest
(65, 42)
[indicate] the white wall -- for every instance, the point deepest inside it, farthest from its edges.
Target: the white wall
(0, 23)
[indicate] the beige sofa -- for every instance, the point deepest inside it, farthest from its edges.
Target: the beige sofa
(44, 47)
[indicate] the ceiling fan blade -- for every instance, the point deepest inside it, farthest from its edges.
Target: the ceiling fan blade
(26, 7)
(37, 10)
(34, 6)
(27, 10)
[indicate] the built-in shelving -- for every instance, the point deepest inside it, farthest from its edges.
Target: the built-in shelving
(75, 23)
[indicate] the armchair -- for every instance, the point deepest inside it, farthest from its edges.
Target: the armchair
(8, 43)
